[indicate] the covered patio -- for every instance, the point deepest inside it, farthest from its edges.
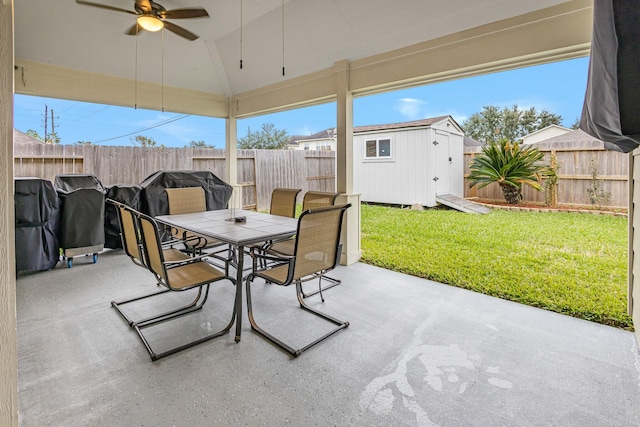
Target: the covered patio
(416, 353)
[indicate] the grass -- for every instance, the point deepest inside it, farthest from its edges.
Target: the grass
(575, 264)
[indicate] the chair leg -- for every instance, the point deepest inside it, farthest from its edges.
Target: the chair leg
(117, 304)
(193, 306)
(292, 351)
(332, 282)
(155, 356)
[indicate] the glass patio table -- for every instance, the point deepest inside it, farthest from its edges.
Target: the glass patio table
(226, 225)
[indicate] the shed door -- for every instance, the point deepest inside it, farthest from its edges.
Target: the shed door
(442, 163)
(634, 244)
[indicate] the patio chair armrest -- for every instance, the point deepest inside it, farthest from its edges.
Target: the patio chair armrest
(283, 259)
(180, 262)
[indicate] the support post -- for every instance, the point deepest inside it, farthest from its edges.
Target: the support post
(231, 157)
(8, 322)
(351, 250)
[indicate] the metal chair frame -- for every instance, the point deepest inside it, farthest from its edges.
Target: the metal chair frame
(283, 203)
(132, 245)
(183, 200)
(147, 242)
(311, 200)
(297, 272)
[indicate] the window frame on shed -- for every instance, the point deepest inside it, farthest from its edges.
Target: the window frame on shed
(379, 151)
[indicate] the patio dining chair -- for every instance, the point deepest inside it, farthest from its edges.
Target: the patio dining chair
(318, 199)
(283, 203)
(132, 246)
(316, 251)
(311, 200)
(173, 270)
(192, 200)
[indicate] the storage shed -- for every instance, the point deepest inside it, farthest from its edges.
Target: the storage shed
(409, 163)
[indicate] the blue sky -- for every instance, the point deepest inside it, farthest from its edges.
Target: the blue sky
(558, 87)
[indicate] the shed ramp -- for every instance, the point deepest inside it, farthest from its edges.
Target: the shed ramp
(461, 204)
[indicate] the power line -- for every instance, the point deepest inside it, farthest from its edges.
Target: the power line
(173, 119)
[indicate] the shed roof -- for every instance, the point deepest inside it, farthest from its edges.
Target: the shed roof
(403, 125)
(331, 132)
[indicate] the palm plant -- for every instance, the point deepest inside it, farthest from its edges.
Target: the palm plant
(510, 165)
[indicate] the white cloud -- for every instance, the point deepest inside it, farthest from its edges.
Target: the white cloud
(459, 118)
(304, 130)
(413, 109)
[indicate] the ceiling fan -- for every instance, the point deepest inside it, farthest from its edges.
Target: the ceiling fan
(152, 16)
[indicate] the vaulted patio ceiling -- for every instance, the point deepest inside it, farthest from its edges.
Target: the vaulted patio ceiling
(67, 50)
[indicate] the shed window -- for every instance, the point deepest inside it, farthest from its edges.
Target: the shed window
(378, 148)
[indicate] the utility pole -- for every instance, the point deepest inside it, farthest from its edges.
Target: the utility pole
(46, 115)
(54, 137)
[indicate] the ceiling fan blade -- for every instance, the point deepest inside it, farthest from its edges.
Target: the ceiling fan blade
(145, 5)
(104, 6)
(134, 30)
(194, 12)
(180, 31)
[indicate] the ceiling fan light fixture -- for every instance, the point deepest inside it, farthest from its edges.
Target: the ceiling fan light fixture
(150, 23)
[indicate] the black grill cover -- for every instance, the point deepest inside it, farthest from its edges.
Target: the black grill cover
(82, 204)
(611, 110)
(123, 193)
(154, 199)
(37, 211)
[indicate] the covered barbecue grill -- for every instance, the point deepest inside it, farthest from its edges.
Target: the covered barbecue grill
(154, 198)
(82, 221)
(37, 211)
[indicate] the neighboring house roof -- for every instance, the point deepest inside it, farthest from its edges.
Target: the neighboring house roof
(545, 133)
(570, 140)
(470, 142)
(323, 134)
(24, 138)
(545, 129)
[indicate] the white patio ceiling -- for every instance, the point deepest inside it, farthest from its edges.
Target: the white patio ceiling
(68, 50)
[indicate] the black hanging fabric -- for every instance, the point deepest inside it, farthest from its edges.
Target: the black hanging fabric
(611, 110)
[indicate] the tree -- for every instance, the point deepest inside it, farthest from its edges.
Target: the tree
(509, 164)
(52, 138)
(199, 144)
(493, 124)
(33, 134)
(144, 141)
(267, 138)
(576, 124)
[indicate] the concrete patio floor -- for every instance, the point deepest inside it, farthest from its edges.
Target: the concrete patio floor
(416, 353)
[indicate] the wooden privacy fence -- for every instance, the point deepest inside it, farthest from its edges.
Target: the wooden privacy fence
(259, 171)
(575, 173)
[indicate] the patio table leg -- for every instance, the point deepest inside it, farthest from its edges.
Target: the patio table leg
(239, 270)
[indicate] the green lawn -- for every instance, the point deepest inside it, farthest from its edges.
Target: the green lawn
(570, 263)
